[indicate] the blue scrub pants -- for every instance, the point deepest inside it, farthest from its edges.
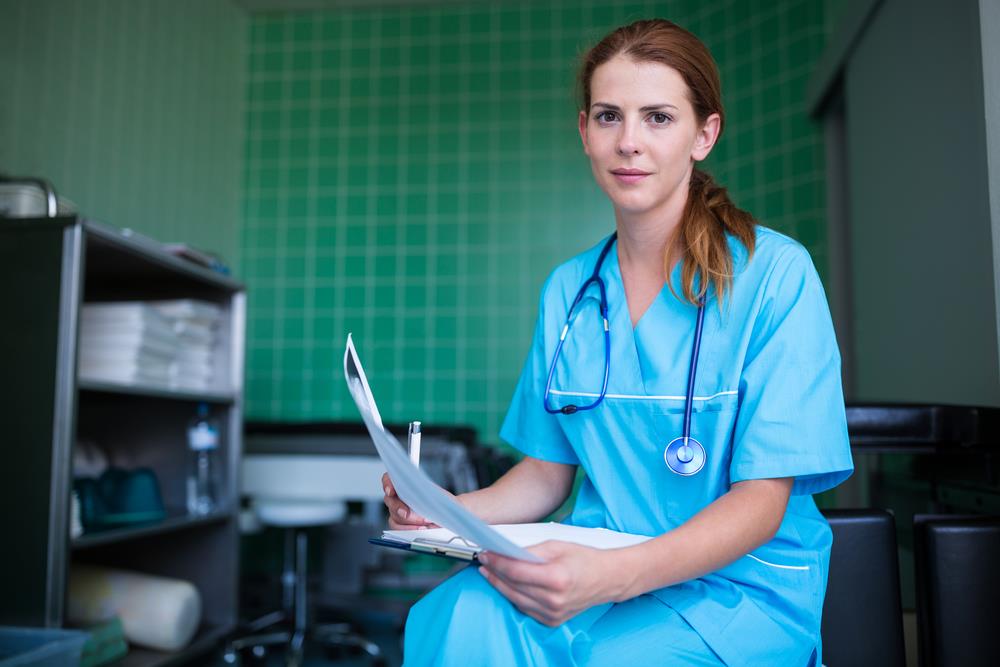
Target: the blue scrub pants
(465, 622)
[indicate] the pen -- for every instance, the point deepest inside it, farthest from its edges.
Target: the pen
(413, 443)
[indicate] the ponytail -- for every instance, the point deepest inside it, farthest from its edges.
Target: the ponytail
(701, 238)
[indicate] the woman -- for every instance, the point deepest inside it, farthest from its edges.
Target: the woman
(737, 570)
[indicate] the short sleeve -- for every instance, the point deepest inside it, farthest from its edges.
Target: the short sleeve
(528, 426)
(792, 421)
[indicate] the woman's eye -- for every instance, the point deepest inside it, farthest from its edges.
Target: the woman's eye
(606, 117)
(660, 118)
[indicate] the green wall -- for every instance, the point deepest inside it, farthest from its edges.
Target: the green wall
(131, 108)
(412, 174)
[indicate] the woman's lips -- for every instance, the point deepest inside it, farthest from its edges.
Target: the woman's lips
(629, 175)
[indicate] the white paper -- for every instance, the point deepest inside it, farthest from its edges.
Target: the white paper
(523, 535)
(412, 484)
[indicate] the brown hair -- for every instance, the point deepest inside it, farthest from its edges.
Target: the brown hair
(709, 213)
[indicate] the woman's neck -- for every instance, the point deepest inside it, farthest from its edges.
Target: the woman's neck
(643, 239)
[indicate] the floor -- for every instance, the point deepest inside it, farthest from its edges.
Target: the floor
(382, 632)
(387, 637)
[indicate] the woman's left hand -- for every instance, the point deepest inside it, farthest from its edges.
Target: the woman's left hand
(572, 578)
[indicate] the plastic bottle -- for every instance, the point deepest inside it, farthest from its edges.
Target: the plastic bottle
(203, 443)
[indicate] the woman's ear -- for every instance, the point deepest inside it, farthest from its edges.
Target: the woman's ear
(583, 132)
(706, 138)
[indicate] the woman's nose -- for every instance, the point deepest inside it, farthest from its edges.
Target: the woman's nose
(627, 143)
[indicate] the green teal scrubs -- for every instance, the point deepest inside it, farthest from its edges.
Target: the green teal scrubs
(768, 403)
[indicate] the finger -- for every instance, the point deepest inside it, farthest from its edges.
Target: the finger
(397, 523)
(548, 549)
(394, 505)
(551, 550)
(409, 516)
(397, 508)
(519, 599)
(519, 572)
(387, 486)
(401, 513)
(539, 593)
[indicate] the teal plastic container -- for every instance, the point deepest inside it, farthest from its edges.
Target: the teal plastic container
(38, 647)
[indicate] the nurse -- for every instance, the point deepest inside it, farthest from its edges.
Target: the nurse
(737, 569)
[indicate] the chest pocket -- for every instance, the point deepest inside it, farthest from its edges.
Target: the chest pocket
(723, 400)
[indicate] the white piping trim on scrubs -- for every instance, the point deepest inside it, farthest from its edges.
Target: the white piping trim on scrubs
(782, 567)
(643, 398)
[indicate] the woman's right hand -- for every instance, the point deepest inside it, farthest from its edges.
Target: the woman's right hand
(401, 517)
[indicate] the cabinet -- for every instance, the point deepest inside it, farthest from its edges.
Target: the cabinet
(48, 269)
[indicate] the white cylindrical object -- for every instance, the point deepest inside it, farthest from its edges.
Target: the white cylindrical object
(156, 612)
(413, 443)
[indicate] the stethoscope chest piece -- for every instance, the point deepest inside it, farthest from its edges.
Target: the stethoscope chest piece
(684, 456)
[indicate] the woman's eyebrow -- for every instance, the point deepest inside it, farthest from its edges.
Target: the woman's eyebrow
(648, 107)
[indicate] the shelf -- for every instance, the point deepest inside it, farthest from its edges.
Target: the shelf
(203, 642)
(121, 254)
(55, 267)
(156, 392)
(168, 525)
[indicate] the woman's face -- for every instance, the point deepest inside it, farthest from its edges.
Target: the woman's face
(642, 135)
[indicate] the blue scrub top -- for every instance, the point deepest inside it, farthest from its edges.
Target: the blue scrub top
(768, 403)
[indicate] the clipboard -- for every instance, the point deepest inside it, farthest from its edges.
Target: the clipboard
(433, 549)
(413, 485)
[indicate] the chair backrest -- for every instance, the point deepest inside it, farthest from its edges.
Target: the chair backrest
(862, 614)
(957, 568)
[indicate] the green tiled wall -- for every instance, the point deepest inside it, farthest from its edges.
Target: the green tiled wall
(413, 174)
(132, 109)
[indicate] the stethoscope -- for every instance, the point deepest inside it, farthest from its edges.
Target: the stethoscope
(684, 455)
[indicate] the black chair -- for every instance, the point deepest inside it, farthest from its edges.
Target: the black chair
(862, 614)
(957, 568)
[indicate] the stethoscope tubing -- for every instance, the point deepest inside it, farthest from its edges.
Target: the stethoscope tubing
(693, 370)
(694, 450)
(594, 278)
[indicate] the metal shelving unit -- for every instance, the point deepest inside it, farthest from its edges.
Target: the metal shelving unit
(167, 525)
(158, 392)
(49, 267)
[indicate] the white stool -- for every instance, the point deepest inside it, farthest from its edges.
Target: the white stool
(295, 492)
